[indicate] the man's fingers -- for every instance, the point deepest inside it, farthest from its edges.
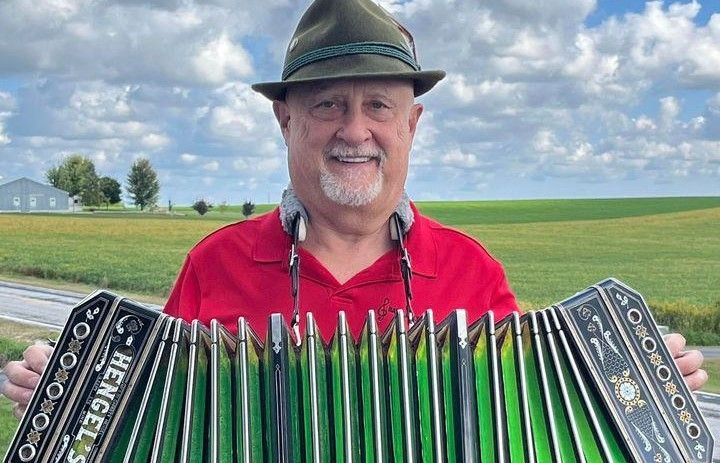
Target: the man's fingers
(689, 361)
(19, 374)
(19, 411)
(696, 379)
(675, 343)
(16, 393)
(37, 356)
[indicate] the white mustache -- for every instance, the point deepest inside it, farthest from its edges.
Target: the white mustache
(345, 151)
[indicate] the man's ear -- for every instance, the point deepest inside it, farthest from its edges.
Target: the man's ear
(416, 111)
(282, 114)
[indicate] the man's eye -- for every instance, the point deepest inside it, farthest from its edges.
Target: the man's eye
(378, 105)
(326, 109)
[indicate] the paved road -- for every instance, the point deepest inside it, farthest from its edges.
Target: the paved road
(50, 307)
(712, 352)
(37, 305)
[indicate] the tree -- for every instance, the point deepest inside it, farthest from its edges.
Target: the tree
(92, 194)
(76, 175)
(143, 186)
(248, 208)
(201, 206)
(111, 189)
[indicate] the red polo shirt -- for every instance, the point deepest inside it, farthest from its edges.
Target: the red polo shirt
(242, 270)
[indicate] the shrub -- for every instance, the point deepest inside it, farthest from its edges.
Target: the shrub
(201, 206)
(248, 208)
(699, 324)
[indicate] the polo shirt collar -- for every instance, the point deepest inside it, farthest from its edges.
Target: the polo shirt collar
(421, 246)
(273, 244)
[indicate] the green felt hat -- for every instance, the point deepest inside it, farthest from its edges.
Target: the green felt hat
(349, 39)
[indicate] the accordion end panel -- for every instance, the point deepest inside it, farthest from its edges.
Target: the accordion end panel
(634, 375)
(96, 365)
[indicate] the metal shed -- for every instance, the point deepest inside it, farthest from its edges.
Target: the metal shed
(25, 195)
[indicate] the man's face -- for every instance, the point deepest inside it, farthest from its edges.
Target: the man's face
(349, 141)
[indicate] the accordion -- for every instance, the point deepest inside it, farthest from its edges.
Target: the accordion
(586, 380)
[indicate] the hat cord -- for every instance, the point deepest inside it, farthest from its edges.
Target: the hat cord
(359, 48)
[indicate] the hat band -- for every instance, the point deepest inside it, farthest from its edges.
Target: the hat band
(370, 48)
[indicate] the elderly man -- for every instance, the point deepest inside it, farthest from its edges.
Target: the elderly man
(345, 228)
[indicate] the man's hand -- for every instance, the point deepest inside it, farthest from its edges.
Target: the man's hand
(688, 362)
(23, 376)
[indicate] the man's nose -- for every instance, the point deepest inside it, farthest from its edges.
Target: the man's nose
(354, 130)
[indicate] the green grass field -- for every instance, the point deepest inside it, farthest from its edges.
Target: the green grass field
(465, 213)
(666, 248)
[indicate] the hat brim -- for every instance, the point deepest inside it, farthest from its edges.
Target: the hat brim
(423, 81)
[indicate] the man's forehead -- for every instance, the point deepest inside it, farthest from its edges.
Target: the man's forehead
(347, 85)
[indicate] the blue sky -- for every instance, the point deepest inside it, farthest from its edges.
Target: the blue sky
(562, 98)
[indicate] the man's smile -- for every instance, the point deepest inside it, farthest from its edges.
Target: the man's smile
(354, 160)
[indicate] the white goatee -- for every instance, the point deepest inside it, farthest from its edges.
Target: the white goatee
(350, 189)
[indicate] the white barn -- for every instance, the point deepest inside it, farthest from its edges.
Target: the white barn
(25, 195)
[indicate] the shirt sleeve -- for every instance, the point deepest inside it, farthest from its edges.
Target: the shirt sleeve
(184, 300)
(502, 300)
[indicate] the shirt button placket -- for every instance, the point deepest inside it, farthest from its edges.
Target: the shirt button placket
(340, 303)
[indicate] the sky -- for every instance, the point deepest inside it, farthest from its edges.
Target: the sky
(552, 99)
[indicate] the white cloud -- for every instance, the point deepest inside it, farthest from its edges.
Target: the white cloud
(101, 102)
(545, 141)
(484, 92)
(155, 141)
(456, 158)
(669, 110)
(258, 165)
(7, 102)
(240, 114)
(185, 44)
(4, 138)
(211, 166)
(187, 158)
(644, 123)
(220, 60)
(594, 71)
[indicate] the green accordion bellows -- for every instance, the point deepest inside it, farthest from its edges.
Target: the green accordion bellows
(586, 380)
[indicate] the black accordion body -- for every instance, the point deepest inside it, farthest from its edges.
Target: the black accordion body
(586, 380)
